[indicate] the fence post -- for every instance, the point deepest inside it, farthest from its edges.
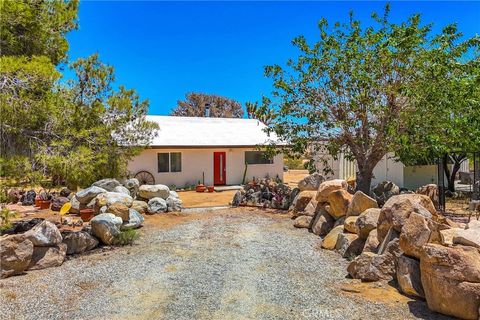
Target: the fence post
(476, 176)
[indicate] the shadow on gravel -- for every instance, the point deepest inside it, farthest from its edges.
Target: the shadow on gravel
(420, 310)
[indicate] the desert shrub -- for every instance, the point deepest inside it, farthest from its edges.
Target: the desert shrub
(294, 163)
(5, 216)
(127, 237)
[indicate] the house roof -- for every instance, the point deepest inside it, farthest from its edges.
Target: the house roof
(204, 132)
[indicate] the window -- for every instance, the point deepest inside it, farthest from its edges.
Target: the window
(257, 157)
(175, 162)
(169, 162)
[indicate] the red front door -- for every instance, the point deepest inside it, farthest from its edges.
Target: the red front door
(219, 168)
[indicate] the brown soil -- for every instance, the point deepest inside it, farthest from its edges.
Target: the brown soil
(192, 199)
(292, 177)
(374, 291)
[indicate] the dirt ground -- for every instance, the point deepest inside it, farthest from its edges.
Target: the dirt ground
(239, 263)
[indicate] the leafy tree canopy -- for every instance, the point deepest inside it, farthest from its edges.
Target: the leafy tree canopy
(358, 89)
(220, 107)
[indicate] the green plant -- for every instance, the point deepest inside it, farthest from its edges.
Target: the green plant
(173, 187)
(126, 237)
(5, 216)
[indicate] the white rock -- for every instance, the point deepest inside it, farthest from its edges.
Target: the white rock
(156, 205)
(44, 234)
(106, 226)
(153, 191)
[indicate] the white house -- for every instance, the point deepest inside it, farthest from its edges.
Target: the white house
(211, 150)
(388, 169)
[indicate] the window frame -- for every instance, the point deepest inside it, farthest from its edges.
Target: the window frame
(267, 160)
(169, 162)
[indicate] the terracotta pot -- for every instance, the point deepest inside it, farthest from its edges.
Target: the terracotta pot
(86, 214)
(200, 188)
(211, 188)
(45, 204)
(37, 201)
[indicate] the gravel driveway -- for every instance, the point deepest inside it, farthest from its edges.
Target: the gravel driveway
(233, 264)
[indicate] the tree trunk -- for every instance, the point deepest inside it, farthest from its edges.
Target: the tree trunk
(364, 179)
(457, 161)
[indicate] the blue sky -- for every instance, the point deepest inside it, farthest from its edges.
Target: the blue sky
(166, 49)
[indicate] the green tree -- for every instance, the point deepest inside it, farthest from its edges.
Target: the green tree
(260, 112)
(220, 107)
(355, 89)
(447, 126)
(37, 28)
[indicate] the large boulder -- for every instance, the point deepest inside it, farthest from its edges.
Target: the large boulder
(366, 222)
(323, 224)
(372, 267)
(311, 182)
(44, 234)
(238, 198)
(157, 205)
(372, 243)
(132, 185)
(140, 206)
(109, 198)
(431, 191)
(15, 254)
(417, 232)
(147, 191)
(135, 220)
(398, 208)
(106, 227)
(302, 222)
(408, 276)
(58, 202)
(328, 187)
(330, 240)
(121, 189)
(86, 195)
(47, 257)
(360, 203)
(349, 245)
(79, 241)
(120, 210)
(107, 184)
(384, 191)
(451, 279)
(339, 200)
(302, 200)
(468, 237)
(174, 203)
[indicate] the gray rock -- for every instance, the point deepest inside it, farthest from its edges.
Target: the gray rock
(79, 241)
(132, 185)
(44, 234)
(154, 191)
(86, 195)
(238, 198)
(408, 276)
(174, 194)
(157, 205)
(469, 237)
(311, 182)
(134, 222)
(384, 191)
(323, 225)
(105, 227)
(174, 204)
(107, 184)
(75, 205)
(121, 189)
(372, 267)
(109, 198)
(47, 257)
(349, 245)
(58, 202)
(15, 254)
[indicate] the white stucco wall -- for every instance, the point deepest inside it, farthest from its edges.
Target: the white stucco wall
(196, 161)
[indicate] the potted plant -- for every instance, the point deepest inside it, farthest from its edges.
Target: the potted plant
(86, 214)
(210, 188)
(200, 187)
(45, 200)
